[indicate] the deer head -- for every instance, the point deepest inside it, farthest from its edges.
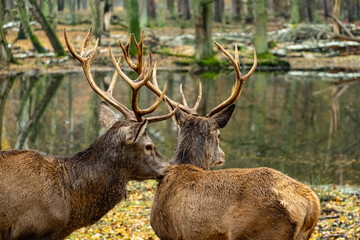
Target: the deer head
(128, 139)
(198, 142)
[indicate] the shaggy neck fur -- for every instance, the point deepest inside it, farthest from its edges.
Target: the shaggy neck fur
(97, 180)
(191, 147)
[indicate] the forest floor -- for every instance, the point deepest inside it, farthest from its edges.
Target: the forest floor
(130, 219)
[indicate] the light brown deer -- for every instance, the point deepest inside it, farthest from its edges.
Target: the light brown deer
(192, 202)
(48, 197)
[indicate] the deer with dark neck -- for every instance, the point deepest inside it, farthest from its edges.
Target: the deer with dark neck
(48, 197)
(192, 202)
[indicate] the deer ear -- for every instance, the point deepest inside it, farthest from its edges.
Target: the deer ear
(180, 117)
(141, 130)
(106, 115)
(220, 119)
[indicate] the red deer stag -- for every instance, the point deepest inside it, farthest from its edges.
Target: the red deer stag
(48, 197)
(192, 202)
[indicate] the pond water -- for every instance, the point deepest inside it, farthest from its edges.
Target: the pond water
(306, 125)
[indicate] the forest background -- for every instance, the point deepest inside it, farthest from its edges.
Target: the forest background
(287, 34)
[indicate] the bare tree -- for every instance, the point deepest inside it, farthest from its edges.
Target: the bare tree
(184, 9)
(97, 13)
(28, 30)
(336, 13)
(260, 41)
(203, 29)
(46, 26)
(218, 6)
(5, 52)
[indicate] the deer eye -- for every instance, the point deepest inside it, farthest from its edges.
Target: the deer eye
(219, 135)
(149, 147)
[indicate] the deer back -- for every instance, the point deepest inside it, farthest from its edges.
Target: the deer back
(260, 203)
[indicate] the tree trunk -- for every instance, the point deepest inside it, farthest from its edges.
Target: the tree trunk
(295, 12)
(61, 5)
(281, 8)
(52, 18)
(171, 8)
(311, 7)
(72, 6)
(144, 19)
(336, 13)
(250, 12)
(326, 11)
(50, 33)
(236, 10)
(134, 23)
(49, 9)
(29, 32)
(21, 34)
(351, 10)
(97, 12)
(151, 11)
(161, 13)
(260, 41)
(107, 16)
(184, 9)
(5, 53)
(203, 30)
(218, 10)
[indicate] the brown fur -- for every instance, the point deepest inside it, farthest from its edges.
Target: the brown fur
(192, 202)
(48, 197)
(259, 203)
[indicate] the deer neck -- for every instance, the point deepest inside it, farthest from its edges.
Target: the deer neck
(191, 149)
(97, 183)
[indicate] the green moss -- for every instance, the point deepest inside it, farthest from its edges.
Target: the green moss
(209, 74)
(271, 44)
(266, 56)
(185, 62)
(209, 62)
(279, 63)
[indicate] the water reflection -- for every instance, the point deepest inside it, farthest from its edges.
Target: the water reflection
(306, 127)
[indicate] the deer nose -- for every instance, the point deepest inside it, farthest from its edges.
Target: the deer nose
(221, 159)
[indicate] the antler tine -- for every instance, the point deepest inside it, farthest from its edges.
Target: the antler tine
(164, 117)
(240, 80)
(139, 46)
(154, 106)
(196, 106)
(197, 103)
(136, 84)
(153, 86)
(182, 96)
(113, 80)
(85, 63)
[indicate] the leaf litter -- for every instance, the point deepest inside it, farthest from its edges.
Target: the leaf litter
(130, 219)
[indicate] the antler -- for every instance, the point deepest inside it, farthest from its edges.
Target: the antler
(85, 63)
(139, 46)
(154, 86)
(240, 80)
(137, 114)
